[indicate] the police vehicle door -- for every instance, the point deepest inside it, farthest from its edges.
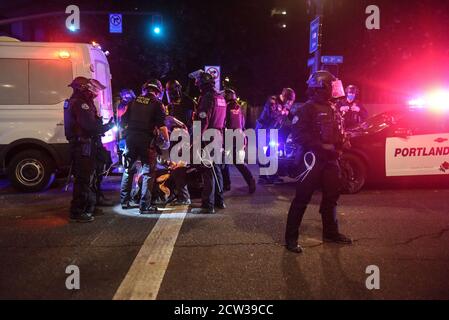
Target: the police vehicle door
(418, 146)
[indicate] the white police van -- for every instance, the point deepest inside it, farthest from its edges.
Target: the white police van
(34, 80)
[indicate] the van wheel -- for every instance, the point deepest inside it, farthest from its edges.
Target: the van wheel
(31, 171)
(353, 171)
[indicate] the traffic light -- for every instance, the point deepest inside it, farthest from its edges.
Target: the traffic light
(157, 25)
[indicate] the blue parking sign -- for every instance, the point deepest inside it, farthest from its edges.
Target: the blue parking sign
(115, 23)
(314, 35)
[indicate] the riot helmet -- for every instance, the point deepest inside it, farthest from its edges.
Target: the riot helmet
(127, 95)
(324, 86)
(205, 81)
(88, 87)
(230, 95)
(174, 90)
(154, 86)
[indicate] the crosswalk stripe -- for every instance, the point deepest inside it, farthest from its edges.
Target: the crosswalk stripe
(144, 278)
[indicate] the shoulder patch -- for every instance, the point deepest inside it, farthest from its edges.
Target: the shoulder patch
(85, 106)
(143, 100)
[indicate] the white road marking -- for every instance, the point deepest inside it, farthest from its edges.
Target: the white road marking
(144, 278)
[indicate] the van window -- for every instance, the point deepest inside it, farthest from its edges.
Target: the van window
(101, 75)
(13, 82)
(49, 80)
(36, 82)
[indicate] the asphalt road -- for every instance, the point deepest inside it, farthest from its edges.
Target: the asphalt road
(235, 254)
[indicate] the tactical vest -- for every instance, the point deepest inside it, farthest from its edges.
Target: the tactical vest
(140, 115)
(217, 115)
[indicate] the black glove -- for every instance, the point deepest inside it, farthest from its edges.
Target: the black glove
(111, 123)
(108, 126)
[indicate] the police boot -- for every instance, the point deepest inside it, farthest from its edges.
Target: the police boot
(129, 205)
(220, 205)
(337, 238)
(149, 210)
(186, 202)
(295, 248)
(330, 229)
(82, 218)
(202, 210)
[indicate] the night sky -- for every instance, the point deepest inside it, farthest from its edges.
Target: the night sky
(408, 54)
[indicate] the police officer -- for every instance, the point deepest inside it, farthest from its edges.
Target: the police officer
(180, 105)
(127, 96)
(82, 130)
(274, 116)
(318, 136)
(212, 114)
(350, 108)
(142, 119)
(235, 120)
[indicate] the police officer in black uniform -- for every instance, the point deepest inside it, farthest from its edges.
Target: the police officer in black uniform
(318, 136)
(235, 120)
(180, 105)
(142, 119)
(212, 114)
(82, 130)
(351, 109)
(274, 116)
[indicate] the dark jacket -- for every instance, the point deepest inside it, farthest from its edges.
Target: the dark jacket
(81, 119)
(234, 116)
(144, 115)
(316, 124)
(211, 111)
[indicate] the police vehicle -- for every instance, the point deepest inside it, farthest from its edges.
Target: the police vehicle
(409, 144)
(33, 87)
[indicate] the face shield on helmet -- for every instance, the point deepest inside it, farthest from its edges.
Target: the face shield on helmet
(338, 90)
(154, 86)
(174, 91)
(94, 87)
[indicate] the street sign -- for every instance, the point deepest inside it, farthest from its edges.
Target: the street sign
(314, 35)
(115, 23)
(215, 71)
(332, 59)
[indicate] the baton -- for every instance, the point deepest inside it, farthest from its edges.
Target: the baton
(69, 177)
